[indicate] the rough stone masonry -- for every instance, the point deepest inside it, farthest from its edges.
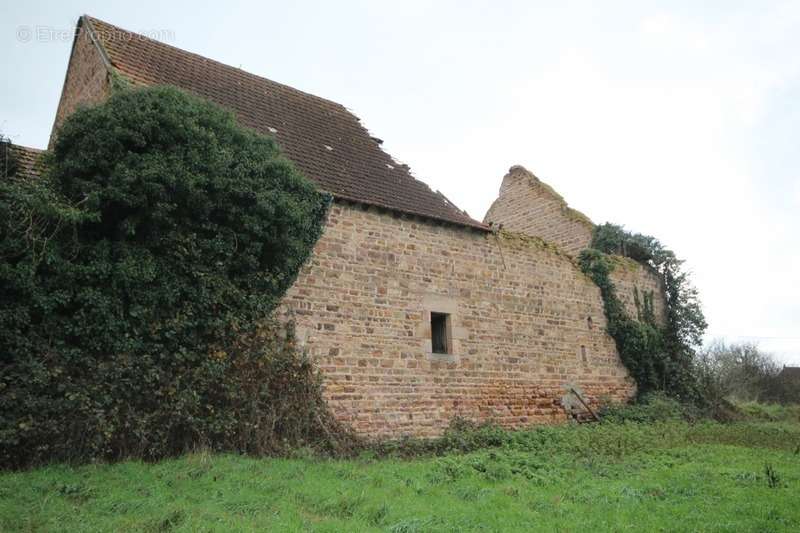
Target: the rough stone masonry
(525, 322)
(414, 312)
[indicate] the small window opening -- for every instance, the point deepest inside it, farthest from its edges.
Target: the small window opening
(440, 333)
(589, 322)
(583, 353)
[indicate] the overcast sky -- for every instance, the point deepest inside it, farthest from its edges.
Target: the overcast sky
(676, 119)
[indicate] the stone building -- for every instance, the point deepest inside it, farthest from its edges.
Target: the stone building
(415, 312)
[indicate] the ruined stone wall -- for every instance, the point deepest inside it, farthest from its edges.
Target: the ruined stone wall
(86, 81)
(630, 278)
(519, 313)
(530, 206)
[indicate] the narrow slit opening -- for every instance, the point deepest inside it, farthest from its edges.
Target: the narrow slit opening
(440, 334)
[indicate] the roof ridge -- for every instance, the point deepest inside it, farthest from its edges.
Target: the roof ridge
(204, 58)
(328, 142)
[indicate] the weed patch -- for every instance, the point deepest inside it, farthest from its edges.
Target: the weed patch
(742, 476)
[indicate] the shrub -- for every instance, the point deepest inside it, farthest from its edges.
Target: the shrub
(742, 372)
(132, 275)
(274, 402)
(655, 407)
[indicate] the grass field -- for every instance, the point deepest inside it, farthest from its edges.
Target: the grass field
(669, 476)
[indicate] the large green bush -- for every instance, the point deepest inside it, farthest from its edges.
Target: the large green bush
(161, 235)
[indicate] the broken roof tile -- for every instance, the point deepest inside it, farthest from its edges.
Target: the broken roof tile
(357, 170)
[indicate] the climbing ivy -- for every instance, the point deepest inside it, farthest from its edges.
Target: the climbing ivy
(660, 357)
(137, 276)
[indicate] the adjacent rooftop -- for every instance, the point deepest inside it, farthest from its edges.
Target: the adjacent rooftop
(26, 159)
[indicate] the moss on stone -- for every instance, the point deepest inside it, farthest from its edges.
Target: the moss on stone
(524, 240)
(571, 213)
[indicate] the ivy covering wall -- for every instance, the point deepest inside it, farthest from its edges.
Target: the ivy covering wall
(659, 357)
(137, 277)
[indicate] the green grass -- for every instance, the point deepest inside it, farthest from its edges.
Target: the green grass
(770, 411)
(668, 476)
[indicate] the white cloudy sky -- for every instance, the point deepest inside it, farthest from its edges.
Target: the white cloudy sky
(677, 119)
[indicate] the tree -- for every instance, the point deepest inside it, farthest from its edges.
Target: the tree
(740, 372)
(160, 234)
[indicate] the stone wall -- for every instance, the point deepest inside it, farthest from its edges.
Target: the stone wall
(631, 279)
(86, 81)
(519, 315)
(528, 205)
(523, 320)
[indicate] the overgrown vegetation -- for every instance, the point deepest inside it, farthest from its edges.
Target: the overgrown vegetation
(137, 277)
(661, 475)
(8, 163)
(742, 372)
(770, 412)
(660, 357)
(687, 423)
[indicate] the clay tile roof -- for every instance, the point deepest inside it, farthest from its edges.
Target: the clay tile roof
(326, 142)
(27, 159)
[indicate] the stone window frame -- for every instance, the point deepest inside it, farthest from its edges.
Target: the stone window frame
(444, 322)
(446, 305)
